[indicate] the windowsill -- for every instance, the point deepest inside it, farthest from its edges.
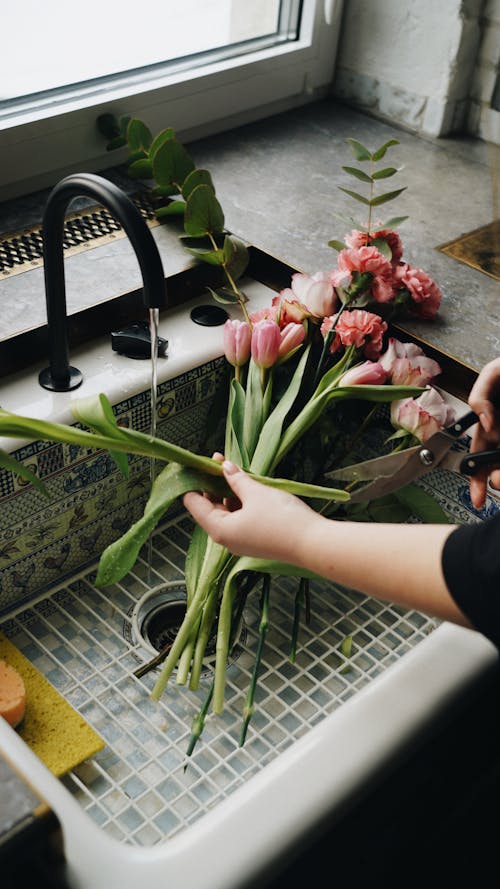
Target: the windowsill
(277, 181)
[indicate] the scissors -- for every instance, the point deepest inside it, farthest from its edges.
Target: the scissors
(385, 474)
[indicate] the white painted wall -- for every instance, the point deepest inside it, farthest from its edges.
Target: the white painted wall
(416, 62)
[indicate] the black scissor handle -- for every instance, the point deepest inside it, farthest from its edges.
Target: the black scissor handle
(474, 463)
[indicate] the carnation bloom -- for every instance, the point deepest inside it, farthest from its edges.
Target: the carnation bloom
(362, 239)
(359, 328)
(407, 365)
(292, 336)
(315, 292)
(422, 416)
(367, 260)
(237, 336)
(265, 343)
(369, 373)
(424, 292)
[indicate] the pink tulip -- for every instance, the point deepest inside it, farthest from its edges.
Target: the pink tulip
(406, 364)
(370, 373)
(237, 337)
(315, 292)
(265, 344)
(292, 336)
(422, 416)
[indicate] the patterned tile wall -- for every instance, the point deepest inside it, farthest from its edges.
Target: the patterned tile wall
(90, 504)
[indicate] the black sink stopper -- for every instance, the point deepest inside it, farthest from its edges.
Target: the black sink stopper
(134, 341)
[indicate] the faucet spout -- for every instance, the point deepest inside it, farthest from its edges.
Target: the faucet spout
(60, 376)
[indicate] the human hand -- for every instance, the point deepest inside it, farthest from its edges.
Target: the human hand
(263, 522)
(484, 395)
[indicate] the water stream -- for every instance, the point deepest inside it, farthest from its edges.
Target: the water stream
(154, 318)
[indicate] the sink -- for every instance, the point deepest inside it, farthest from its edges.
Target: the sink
(322, 727)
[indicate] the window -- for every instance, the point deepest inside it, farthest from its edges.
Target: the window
(235, 62)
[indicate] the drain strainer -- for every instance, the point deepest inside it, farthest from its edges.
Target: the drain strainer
(156, 618)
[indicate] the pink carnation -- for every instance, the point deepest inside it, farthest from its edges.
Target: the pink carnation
(368, 259)
(362, 239)
(424, 292)
(359, 328)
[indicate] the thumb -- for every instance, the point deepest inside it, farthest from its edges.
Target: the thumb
(236, 478)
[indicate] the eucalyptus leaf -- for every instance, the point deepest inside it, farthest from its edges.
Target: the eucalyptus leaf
(350, 222)
(355, 195)
(172, 164)
(141, 169)
(203, 213)
(163, 136)
(196, 177)
(380, 152)
(224, 296)
(384, 198)
(383, 247)
(117, 142)
(385, 174)
(212, 257)
(337, 245)
(237, 264)
(394, 221)
(174, 208)
(358, 174)
(138, 135)
(359, 151)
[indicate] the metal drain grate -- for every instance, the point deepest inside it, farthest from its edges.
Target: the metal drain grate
(86, 228)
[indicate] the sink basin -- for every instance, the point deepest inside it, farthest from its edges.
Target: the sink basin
(323, 726)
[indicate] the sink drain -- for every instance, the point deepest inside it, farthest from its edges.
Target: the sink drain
(156, 619)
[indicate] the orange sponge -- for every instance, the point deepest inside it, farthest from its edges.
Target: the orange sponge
(12, 694)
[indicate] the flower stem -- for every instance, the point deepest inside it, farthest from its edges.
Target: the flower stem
(263, 625)
(300, 599)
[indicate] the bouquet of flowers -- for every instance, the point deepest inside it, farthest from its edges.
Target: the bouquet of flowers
(319, 352)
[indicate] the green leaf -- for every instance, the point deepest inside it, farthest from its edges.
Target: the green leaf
(422, 505)
(174, 208)
(350, 222)
(171, 164)
(254, 415)
(203, 213)
(383, 247)
(384, 174)
(379, 153)
(359, 151)
(235, 447)
(158, 140)
(141, 169)
(96, 412)
(337, 245)
(196, 177)
(224, 296)
(384, 198)
(171, 483)
(394, 221)
(212, 257)
(358, 174)
(355, 195)
(194, 559)
(239, 257)
(138, 135)
(13, 465)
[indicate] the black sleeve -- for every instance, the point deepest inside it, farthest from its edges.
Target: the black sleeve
(471, 568)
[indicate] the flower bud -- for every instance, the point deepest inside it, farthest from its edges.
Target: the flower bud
(370, 373)
(292, 336)
(265, 344)
(237, 337)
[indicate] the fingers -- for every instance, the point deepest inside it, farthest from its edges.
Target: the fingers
(484, 394)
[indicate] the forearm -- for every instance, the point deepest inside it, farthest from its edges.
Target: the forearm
(397, 563)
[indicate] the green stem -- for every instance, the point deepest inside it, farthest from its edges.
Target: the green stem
(198, 723)
(300, 600)
(263, 625)
(204, 633)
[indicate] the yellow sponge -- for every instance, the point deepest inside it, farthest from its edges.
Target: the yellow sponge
(53, 729)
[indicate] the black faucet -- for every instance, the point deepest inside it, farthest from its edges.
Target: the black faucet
(60, 376)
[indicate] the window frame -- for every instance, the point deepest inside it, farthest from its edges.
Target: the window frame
(40, 144)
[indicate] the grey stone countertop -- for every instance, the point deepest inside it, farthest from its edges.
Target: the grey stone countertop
(277, 181)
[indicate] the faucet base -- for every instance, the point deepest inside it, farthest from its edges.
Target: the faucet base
(74, 378)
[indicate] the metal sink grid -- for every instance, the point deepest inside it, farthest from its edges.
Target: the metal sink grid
(141, 788)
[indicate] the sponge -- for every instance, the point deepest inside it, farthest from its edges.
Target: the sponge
(12, 694)
(53, 729)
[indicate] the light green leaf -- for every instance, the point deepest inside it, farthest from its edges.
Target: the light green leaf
(358, 174)
(337, 245)
(174, 208)
(383, 247)
(384, 198)
(203, 213)
(96, 412)
(194, 559)
(359, 151)
(223, 295)
(394, 221)
(13, 465)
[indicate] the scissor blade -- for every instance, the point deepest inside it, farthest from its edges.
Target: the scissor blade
(388, 475)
